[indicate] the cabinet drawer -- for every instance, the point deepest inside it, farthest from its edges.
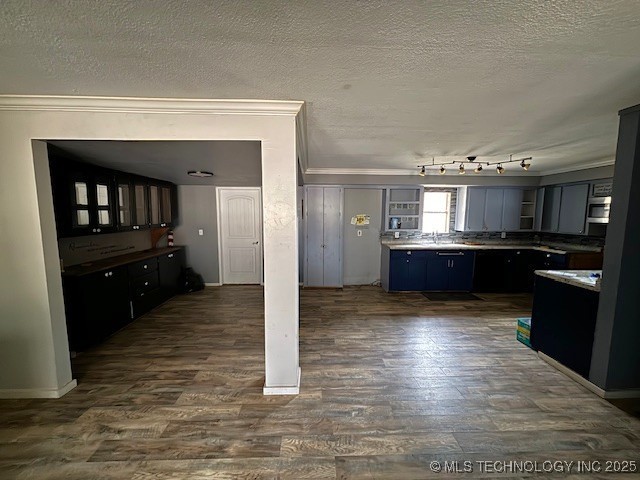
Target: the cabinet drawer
(143, 267)
(144, 284)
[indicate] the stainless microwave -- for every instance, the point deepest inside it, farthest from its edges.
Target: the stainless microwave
(598, 209)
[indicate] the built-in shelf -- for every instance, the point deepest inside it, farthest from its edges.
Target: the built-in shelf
(403, 209)
(528, 209)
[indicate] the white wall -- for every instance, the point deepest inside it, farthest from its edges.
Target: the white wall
(34, 354)
(362, 254)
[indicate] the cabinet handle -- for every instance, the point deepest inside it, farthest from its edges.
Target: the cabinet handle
(98, 230)
(106, 274)
(94, 230)
(452, 263)
(146, 284)
(170, 255)
(255, 243)
(131, 308)
(455, 254)
(145, 267)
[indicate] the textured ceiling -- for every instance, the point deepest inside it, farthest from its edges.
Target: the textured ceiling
(232, 163)
(387, 83)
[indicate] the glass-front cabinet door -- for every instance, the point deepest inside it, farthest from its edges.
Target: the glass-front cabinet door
(154, 205)
(166, 216)
(140, 211)
(104, 207)
(124, 204)
(80, 203)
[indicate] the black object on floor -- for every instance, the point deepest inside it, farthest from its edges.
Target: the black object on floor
(451, 296)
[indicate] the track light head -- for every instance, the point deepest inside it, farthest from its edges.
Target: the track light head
(525, 165)
(423, 172)
(461, 169)
(500, 169)
(442, 170)
(478, 169)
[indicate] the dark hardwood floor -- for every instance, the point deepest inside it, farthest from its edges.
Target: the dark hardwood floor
(390, 383)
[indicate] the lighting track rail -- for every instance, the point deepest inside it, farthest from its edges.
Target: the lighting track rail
(471, 162)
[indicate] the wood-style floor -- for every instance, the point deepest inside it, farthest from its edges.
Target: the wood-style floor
(390, 383)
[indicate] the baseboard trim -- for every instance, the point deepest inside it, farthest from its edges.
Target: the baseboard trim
(212, 284)
(38, 392)
(283, 390)
(602, 393)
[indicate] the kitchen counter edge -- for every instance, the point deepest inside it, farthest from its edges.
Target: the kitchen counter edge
(117, 261)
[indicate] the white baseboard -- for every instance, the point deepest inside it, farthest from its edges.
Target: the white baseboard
(602, 393)
(38, 392)
(283, 390)
(212, 284)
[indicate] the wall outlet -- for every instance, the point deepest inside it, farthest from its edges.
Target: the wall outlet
(396, 234)
(503, 235)
(200, 232)
(359, 233)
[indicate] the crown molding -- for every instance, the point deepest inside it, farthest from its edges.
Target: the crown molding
(63, 103)
(575, 168)
(414, 172)
(360, 171)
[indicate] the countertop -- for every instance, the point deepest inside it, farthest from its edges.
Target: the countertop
(578, 278)
(112, 262)
(418, 245)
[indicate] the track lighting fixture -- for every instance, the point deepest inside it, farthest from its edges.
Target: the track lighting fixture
(470, 161)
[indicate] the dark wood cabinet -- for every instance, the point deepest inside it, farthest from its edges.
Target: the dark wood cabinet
(100, 303)
(83, 197)
(161, 204)
(170, 267)
(90, 200)
(97, 305)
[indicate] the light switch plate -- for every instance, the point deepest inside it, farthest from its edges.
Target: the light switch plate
(359, 233)
(396, 234)
(503, 235)
(200, 232)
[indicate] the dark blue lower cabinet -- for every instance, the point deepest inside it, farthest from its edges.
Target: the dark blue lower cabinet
(438, 272)
(407, 270)
(450, 270)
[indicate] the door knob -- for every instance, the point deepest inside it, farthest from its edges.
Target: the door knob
(255, 243)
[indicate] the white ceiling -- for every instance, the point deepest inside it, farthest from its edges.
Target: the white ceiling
(387, 83)
(236, 163)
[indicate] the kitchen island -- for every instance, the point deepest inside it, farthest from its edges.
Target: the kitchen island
(563, 320)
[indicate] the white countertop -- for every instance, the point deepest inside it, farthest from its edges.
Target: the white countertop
(578, 278)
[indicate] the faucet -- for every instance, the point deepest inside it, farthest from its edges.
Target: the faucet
(435, 237)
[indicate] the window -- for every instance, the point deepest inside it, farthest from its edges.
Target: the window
(436, 212)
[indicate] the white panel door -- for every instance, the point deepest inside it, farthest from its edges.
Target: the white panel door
(240, 215)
